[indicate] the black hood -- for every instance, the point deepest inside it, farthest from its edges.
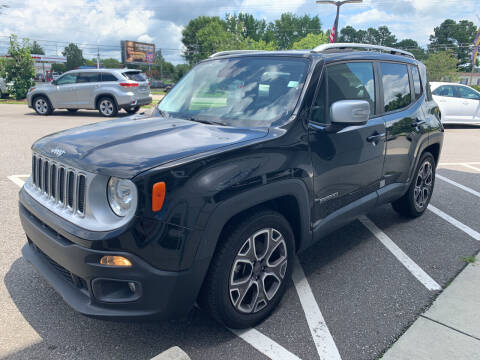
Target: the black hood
(129, 146)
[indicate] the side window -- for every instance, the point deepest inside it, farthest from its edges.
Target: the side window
(108, 77)
(351, 81)
(67, 79)
(467, 93)
(87, 77)
(444, 90)
(417, 84)
(396, 86)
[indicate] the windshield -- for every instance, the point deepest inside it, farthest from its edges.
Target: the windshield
(135, 76)
(244, 92)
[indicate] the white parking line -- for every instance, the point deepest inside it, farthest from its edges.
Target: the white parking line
(326, 347)
(411, 266)
(459, 163)
(467, 189)
(466, 229)
(16, 179)
(472, 167)
(265, 345)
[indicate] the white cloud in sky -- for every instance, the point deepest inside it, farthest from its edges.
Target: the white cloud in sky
(106, 22)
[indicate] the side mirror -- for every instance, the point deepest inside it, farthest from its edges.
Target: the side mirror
(54, 82)
(350, 112)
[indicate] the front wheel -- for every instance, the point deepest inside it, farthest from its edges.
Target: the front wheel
(42, 106)
(107, 107)
(416, 200)
(250, 270)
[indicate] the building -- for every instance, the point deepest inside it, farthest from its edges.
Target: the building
(43, 65)
(468, 78)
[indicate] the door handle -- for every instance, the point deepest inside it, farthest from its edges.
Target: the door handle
(418, 122)
(376, 137)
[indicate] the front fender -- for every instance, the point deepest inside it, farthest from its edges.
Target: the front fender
(251, 198)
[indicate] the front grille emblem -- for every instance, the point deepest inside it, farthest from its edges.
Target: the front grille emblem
(57, 152)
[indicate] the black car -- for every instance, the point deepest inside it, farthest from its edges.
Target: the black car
(251, 158)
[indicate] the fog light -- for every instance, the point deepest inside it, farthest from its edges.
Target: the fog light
(115, 261)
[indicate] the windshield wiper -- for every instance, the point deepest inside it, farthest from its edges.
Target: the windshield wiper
(209, 122)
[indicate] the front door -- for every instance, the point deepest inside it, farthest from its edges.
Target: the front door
(64, 95)
(347, 160)
(469, 103)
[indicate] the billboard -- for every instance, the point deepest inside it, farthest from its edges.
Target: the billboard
(137, 52)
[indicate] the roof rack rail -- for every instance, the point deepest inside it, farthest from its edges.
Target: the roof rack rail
(233, 52)
(366, 47)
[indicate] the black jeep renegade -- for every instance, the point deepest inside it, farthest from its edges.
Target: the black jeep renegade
(251, 158)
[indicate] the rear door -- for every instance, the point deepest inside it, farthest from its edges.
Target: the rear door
(470, 102)
(347, 160)
(87, 82)
(405, 120)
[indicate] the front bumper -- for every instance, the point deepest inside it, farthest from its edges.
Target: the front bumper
(75, 273)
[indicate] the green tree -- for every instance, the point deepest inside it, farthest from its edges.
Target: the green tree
(413, 47)
(442, 65)
(350, 35)
(35, 48)
(245, 26)
(291, 28)
(454, 36)
(111, 63)
(213, 38)
(250, 44)
(74, 56)
(310, 41)
(194, 50)
(181, 70)
(19, 68)
(3, 67)
(380, 36)
(60, 68)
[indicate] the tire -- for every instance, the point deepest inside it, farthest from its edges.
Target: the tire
(72, 110)
(107, 106)
(415, 201)
(42, 105)
(231, 292)
(132, 110)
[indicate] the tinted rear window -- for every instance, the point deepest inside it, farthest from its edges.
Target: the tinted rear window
(135, 76)
(88, 77)
(396, 86)
(108, 77)
(417, 84)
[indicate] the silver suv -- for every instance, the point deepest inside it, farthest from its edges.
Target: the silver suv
(107, 90)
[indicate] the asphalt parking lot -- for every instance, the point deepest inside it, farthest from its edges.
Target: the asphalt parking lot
(352, 296)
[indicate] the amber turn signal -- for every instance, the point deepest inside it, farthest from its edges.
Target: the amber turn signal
(115, 261)
(158, 196)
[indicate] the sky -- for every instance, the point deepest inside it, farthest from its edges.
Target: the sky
(102, 24)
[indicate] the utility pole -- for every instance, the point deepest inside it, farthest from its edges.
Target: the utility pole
(338, 4)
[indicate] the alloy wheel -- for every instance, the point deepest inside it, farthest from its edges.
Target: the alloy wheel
(41, 106)
(423, 185)
(258, 271)
(106, 107)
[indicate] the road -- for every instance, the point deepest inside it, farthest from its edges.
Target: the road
(363, 285)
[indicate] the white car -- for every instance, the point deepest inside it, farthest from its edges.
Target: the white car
(459, 104)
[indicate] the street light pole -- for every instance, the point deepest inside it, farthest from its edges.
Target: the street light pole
(338, 4)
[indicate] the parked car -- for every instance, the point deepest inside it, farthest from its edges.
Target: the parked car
(459, 104)
(250, 159)
(3, 88)
(106, 90)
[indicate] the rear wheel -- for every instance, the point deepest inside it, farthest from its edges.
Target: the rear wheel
(132, 110)
(42, 105)
(250, 270)
(107, 107)
(416, 200)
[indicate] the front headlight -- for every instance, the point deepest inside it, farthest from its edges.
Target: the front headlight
(121, 195)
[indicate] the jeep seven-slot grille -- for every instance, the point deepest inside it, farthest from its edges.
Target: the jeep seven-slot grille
(61, 184)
